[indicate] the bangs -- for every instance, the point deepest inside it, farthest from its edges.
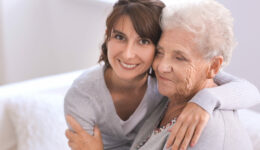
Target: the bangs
(144, 24)
(144, 20)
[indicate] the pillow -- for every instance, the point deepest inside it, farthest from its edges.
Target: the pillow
(38, 121)
(251, 121)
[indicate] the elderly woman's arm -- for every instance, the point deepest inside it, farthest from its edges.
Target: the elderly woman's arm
(233, 93)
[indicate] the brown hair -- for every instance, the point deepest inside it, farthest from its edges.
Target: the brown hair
(145, 16)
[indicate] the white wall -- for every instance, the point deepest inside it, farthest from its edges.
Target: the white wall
(1, 47)
(246, 57)
(43, 37)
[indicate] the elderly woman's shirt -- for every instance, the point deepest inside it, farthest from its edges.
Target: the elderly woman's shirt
(223, 132)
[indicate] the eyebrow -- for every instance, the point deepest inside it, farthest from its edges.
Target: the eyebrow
(180, 52)
(175, 51)
(118, 32)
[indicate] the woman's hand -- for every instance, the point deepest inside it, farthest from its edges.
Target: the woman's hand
(188, 127)
(80, 139)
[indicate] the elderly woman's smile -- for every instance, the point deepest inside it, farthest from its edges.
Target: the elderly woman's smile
(180, 66)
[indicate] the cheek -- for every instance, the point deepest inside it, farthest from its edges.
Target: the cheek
(147, 55)
(186, 81)
(155, 63)
(112, 48)
(109, 48)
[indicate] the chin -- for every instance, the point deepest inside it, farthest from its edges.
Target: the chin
(127, 76)
(165, 91)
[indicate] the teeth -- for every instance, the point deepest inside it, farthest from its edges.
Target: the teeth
(128, 66)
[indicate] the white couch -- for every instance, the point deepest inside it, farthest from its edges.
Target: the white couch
(31, 115)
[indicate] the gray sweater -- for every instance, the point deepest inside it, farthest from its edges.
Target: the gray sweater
(88, 100)
(223, 132)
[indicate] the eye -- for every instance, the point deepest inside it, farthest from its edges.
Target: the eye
(144, 41)
(180, 58)
(158, 53)
(119, 37)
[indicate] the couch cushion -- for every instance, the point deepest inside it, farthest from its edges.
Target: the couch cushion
(7, 134)
(38, 121)
(23, 99)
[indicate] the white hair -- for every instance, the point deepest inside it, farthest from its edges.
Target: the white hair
(209, 21)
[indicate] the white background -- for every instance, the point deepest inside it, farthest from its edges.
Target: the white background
(44, 37)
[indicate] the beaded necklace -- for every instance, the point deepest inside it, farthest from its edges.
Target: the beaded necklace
(158, 129)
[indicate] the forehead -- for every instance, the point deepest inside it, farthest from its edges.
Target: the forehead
(177, 36)
(124, 24)
(178, 39)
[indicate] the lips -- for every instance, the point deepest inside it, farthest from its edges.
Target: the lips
(164, 78)
(128, 65)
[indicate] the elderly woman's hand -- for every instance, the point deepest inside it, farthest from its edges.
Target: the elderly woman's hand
(80, 139)
(188, 127)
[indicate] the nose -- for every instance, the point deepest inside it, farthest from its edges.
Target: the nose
(129, 50)
(165, 66)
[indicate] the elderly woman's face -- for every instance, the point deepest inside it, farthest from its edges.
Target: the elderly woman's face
(179, 66)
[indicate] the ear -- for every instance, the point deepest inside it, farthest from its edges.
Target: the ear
(215, 65)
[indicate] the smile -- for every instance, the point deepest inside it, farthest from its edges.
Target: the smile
(128, 66)
(164, 79)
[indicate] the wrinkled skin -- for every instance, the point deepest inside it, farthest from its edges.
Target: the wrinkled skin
(182, 71)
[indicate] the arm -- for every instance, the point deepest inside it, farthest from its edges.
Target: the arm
(80, 139)
(80, 107)
(233, 93)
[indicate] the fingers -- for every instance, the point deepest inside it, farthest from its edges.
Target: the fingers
(72, 138)
(188, 127)
(70, 135)
(198, 131)
(173, 131)
(97, 132)
(72, 145)
(187, 138)
(179, 137)
(74, 124)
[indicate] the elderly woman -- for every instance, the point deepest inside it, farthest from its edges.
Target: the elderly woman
(197, 42)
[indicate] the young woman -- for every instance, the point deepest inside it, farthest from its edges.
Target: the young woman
(120, 94)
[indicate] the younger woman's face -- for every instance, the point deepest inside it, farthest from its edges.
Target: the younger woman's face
(129, 55)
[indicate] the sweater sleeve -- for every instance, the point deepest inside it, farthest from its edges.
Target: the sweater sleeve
(80, 107)
(233, 93)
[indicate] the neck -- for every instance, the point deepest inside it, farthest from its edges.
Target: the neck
(116, 83)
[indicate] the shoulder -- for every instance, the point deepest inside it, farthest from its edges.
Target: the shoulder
(213, 134)
(90, 77)
(91, 81)
(86, 87)
(223, 131)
